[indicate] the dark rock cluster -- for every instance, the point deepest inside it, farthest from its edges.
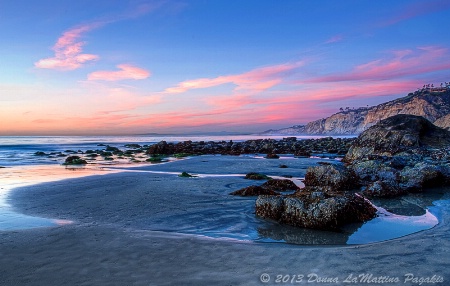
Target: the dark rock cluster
(289, 145)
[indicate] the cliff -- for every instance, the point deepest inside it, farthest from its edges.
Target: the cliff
(431, 104)
(443, 122)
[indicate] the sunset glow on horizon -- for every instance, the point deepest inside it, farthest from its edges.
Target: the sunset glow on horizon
(139, 66)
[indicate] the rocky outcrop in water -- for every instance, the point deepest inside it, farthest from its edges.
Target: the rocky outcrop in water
(404, 153)
(317, 208)
(431, 104)
(327, 201)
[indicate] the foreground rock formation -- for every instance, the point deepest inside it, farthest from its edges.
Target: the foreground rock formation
(327, 201)
(315, 208)
(431, 104)
(403, 153)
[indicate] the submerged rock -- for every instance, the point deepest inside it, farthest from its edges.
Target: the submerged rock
(186, 175)
(254, 191)
(257, 176)
(272, 156)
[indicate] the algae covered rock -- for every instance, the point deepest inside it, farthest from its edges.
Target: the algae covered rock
(74, 160)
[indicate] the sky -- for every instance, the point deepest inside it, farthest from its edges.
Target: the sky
(110, 67)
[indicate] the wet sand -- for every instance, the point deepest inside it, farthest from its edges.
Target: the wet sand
(119, 238)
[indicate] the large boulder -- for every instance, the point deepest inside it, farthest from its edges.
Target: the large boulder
(316, 208)
(397, 134)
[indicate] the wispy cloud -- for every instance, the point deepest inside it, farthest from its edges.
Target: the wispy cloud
(398, 64)
(125, 71)
(334, 39)
(257, 79)
(69, 46)
(415, 10)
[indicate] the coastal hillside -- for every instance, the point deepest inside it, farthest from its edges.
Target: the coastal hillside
(430, 103)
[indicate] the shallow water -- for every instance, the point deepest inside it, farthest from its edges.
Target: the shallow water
(19, 176)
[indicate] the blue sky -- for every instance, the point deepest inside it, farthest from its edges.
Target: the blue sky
(126, 67)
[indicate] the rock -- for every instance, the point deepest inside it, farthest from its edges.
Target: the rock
(443, 122)
(186, 175)
(112, 149)
(74, 160)
(281, 185)
(39, 153)
(272, 156)
(397, 134)
(302, 154)
(421, 176)
(282, 166)
(373, 170)
(317, 210)
(254, 191)
(337, 177)
(257, 176)
(383, 189)
(271, 207)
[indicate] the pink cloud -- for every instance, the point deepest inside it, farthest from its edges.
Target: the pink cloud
(69, 50)
(257, 79)
(125, 71)
(398, 65)
(417, 9)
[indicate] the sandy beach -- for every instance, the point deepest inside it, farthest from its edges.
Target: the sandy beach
(141, 227)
